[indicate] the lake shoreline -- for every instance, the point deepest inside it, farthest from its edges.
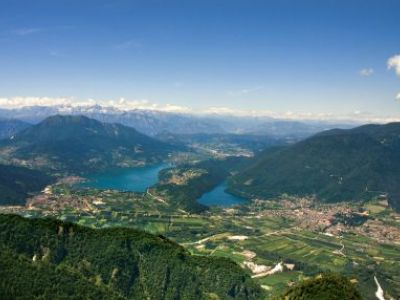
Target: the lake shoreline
(219, 196)
(136, 179)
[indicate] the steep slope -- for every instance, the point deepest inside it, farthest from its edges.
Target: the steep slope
(77, 144)
(335, 165)
(17, 182)
(9, 127)
(40, 257)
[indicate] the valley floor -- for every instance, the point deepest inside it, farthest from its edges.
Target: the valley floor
(278, 243)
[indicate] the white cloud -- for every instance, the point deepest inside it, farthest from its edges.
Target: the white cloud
(245, 91)
(394, 63)
(366, 72)
(120, 104)
(66, 104)
(56, 53)
(219, 110)
(128, 45)
(355, 116)
(16, 102)
(27, 31)
(123, 104)
(398, 97)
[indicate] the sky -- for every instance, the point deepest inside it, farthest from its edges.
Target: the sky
(298, 58)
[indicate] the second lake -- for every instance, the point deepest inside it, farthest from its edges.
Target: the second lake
(219, 197)
(140, 178)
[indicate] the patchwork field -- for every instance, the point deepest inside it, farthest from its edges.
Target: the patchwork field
(277, 246)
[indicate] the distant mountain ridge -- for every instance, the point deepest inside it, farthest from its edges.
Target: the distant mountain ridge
(153, 122)
(78, 144)
(336, 165)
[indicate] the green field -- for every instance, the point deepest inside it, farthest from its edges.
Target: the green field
(271, 239)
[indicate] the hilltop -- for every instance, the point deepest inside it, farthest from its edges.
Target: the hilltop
(78, 144)
(325, 286)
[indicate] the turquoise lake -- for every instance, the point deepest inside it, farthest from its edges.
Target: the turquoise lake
(132, 179)
(140, 178)
(218, 197)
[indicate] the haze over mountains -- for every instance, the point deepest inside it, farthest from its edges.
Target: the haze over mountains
(333, 165)
(153, 122)
(199, 150)
(337, 165)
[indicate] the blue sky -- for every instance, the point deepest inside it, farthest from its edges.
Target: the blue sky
(299, 56)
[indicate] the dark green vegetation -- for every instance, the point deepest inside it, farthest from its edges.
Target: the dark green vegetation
(336, 165)
(323, 287)
(273, 235)
(274, 231)
(17, 182)
(9, 127)
(23, 279)
(49, 259)
(183, 185)
(77, 144)
(350, 219)
(302, 235)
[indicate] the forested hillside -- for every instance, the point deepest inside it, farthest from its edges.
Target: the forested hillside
(323, 287)
(9, 127)
(184, 184)
(77, 144)
(336, 165)
(17, 182)
(48, 259)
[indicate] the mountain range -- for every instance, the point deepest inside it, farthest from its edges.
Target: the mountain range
(77, 144)
(335, 165)
(153, 122)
